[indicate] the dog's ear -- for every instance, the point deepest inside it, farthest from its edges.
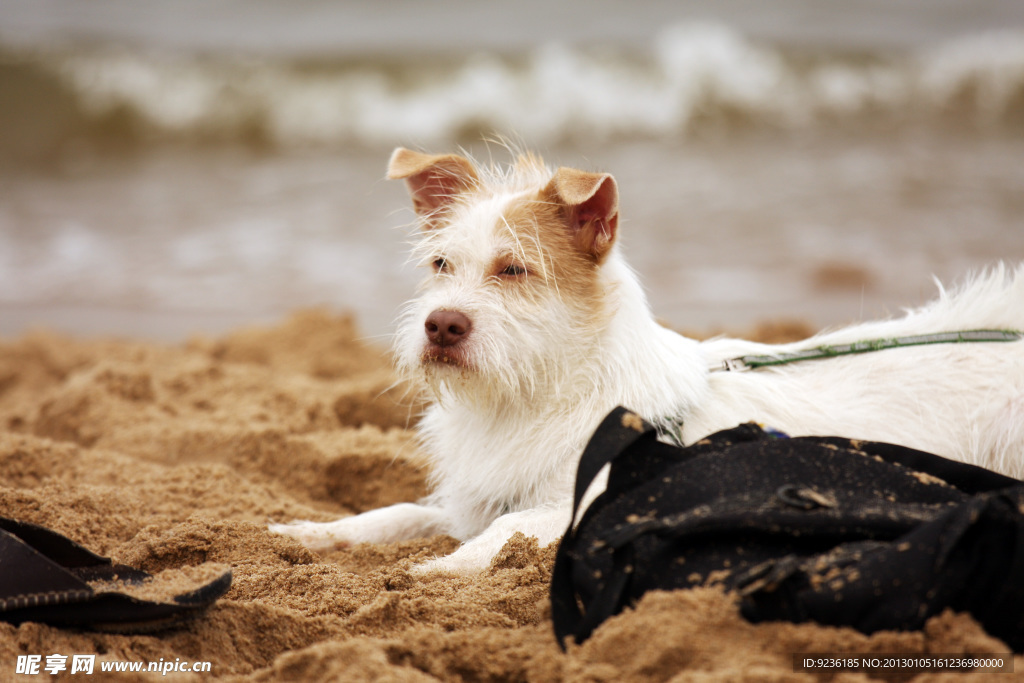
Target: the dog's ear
(434, 180)
(590, 203)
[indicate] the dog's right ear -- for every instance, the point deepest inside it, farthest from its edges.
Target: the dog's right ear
(434, 180)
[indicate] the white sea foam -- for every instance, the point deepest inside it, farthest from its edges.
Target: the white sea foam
(690, 73)
(989, 66)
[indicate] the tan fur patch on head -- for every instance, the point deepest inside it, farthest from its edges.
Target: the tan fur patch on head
(544, 233)
(545, 244)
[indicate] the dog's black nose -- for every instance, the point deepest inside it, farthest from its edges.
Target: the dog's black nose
(447, 328)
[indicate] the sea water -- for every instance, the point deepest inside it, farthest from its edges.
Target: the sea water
(177, 168)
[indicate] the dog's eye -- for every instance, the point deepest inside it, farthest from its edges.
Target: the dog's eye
(513, 270)
(440, 265)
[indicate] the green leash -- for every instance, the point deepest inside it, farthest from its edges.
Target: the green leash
(819, 352)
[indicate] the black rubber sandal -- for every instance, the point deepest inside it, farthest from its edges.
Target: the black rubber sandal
(44, 578)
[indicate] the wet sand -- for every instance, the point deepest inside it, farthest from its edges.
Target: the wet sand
(171, 457)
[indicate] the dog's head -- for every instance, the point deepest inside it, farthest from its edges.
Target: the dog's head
(515, 294)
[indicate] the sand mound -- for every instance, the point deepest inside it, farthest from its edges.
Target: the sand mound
(174, 458)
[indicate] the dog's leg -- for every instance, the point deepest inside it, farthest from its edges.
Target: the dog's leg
(384, 525)
(547, 524)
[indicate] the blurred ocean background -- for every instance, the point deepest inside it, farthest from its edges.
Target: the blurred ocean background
(173, 167)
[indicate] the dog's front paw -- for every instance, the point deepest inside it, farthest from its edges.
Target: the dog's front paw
(314, 535)
(384, 525)
(446, 565)
(470, 558)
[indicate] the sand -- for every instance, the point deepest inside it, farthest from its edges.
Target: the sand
(170, 458)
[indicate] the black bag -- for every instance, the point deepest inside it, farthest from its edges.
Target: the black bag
(824, 529)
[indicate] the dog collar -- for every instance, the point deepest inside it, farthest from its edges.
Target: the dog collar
(754, 362)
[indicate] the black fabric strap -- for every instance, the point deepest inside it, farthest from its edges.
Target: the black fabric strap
(619, 430)
(616, 433)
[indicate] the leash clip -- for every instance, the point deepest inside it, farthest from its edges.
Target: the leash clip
(733, 365)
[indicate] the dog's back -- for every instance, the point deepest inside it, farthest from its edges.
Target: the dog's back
(961, 400)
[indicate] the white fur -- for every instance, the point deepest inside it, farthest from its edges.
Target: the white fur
(505, 433)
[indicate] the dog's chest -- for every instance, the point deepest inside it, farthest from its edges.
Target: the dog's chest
(486, 458)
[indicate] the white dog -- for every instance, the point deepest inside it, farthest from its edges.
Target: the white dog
(531, 327)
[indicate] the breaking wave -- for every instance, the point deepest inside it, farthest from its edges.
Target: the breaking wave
(690, 76)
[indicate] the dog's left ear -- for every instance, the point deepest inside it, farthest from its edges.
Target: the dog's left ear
(434, 180)
(590, 203)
